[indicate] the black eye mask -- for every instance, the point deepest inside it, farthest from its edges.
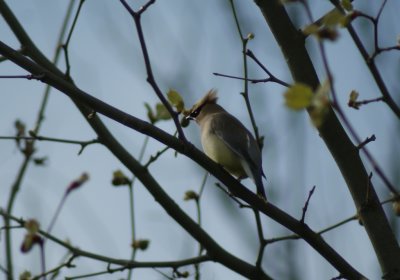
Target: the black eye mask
(193, 115)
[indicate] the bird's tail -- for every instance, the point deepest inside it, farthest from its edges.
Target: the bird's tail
(255, 173)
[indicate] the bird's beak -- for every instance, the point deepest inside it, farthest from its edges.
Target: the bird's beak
(190, 118)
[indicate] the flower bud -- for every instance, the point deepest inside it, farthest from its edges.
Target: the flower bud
(26, 275)
(141, 244)
(78, 182)
(32, 226)
(189, 195)
(396, 207)
(250, 36)
(120, 179)
(29, 241)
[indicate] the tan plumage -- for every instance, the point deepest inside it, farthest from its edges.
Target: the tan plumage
(227, 141)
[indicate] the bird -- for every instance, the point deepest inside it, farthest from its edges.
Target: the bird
(227, 141)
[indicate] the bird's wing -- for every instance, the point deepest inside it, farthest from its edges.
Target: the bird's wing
(232, 132)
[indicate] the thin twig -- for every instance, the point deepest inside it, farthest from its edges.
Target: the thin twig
(240, 204)
(163, 274)
(386, 49)
(356, 104)
(260, 237)
(156, 156)
(271, 77)
(199, 222)
(303, 216)
(345, 221)
(28, 77)
(203, 184)
(245, 93)
(132, 205)
(150, 76)
(254, 81)
(370, 64)
(67, 264)
(126, 263)
(4, 270)
(376, 23)
(296, 237)
(335, 105)
(83, 144)
(88, 275)
(329, 228)
(67, 41)
(57, 213)
(366, 141)
(43, 261)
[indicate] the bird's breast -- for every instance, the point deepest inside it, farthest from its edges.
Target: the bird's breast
(218, 151)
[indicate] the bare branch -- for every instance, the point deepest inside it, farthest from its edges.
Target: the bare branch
(366, 141)
(126, 263)
(303, 216)
(254, 81)
(83, 144)
(156, 156)
(150, 77)
(356, 104)
(387, 98)
(245, 93)
(67, 41)
(38, 77)
(271, 77)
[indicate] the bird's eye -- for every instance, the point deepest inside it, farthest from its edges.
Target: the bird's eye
(195, 113)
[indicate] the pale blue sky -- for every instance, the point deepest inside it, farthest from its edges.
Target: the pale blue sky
(187, 42)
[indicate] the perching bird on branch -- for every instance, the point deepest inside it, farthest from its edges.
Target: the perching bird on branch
(227, 141)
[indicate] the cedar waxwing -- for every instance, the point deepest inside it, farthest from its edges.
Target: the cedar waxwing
(226, 141)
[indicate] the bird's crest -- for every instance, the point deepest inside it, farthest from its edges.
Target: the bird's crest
(210, 98)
